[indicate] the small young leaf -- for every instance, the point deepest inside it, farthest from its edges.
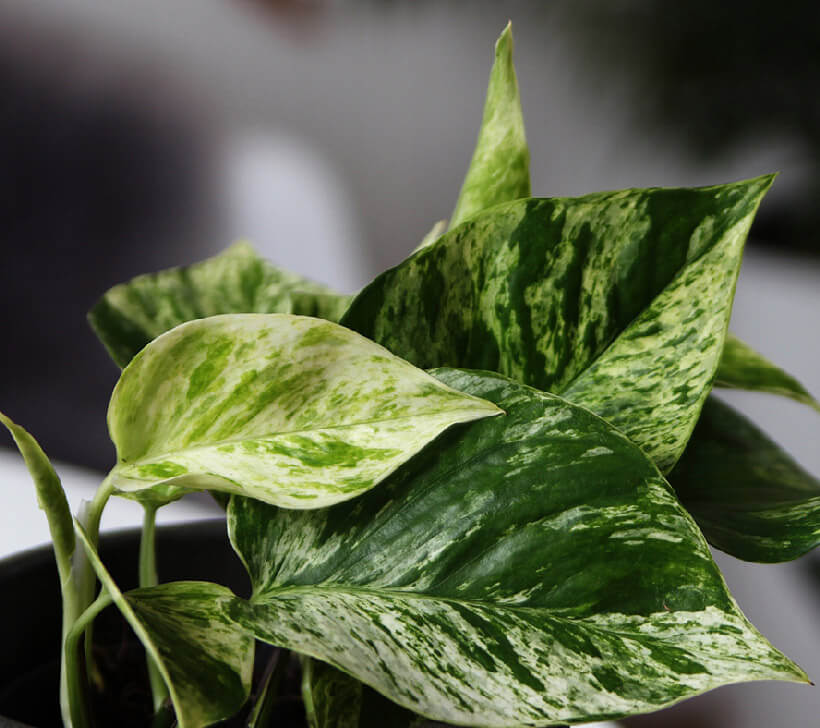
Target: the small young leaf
(500, 168)
(748, 496)
(741, 367)
(131, 314)
(205, 658)
(617, 300)
(295, 411)
(532, 569)
(50, 496)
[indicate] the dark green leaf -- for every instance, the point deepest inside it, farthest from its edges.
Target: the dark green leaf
(500, 168)
(530, 569)
(205, 658)
(131, 314)
(747, 495)
(333, 699)
(292, 410)
(618, 300)
(741, 367)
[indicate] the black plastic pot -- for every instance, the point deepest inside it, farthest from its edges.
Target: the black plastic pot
(30, 609)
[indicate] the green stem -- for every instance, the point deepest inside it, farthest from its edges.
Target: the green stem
(148, 577)
(75, 682)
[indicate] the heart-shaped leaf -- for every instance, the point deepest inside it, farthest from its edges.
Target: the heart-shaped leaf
(531, 569)
(205, 658)
(131, 314)
(741, 367)
(295, 411)
(747, 495)
(500, 168)
(620, 300)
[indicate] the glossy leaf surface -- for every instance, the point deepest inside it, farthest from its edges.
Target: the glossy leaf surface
(292, 410)
(131, 314)
(500, 167)
(749, 497)
(741, 367)
(205, 658)
(619, 300)
(531, 569)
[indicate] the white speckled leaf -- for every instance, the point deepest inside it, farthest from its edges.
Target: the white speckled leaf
(131, 314)
(748, 496)
(205, 658)
(533, 569)
(741, 367)
(295, 411)
(617, 300)
(500, 167)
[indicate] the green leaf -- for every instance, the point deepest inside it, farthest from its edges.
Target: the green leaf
(50, 496)
(617, 300)
(500, 168)
(205, 658)
(748, 496)
(332, 698)
(434, 234)
(741, 367)
(131, 314)
(295, 411)
(531, 569)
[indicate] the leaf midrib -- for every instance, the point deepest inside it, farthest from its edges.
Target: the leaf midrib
(330, 428)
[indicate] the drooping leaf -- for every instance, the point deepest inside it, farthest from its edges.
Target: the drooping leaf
(500, 168)
(131, 314)
(50, 496)
(205, 658)
(618, 300)
(741, 367)
(749, 497)
(531, 569)
(292, 410)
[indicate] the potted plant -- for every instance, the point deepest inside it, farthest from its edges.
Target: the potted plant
(478, 492)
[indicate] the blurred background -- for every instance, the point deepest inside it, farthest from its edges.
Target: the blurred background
(136, 136)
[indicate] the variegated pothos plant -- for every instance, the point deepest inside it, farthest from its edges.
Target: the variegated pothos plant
(479, 491)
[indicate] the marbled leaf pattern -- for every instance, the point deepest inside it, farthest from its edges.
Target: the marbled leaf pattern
(295, 411)
(618, 299)
(532, 569)
(748, 496)
(204, 656)
(500, 167)
(741, 367)
(131, 314)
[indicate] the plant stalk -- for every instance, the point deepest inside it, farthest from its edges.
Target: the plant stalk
(77, 694)
(148, 577)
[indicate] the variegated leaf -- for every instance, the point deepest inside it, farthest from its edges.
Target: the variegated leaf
(205, 658)
(500, 168)
(333, 699)
(619, 300)
(532, 569)
(741, 367)
(50, 496)
(295, 411)
(131, 314)
(747, 495)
